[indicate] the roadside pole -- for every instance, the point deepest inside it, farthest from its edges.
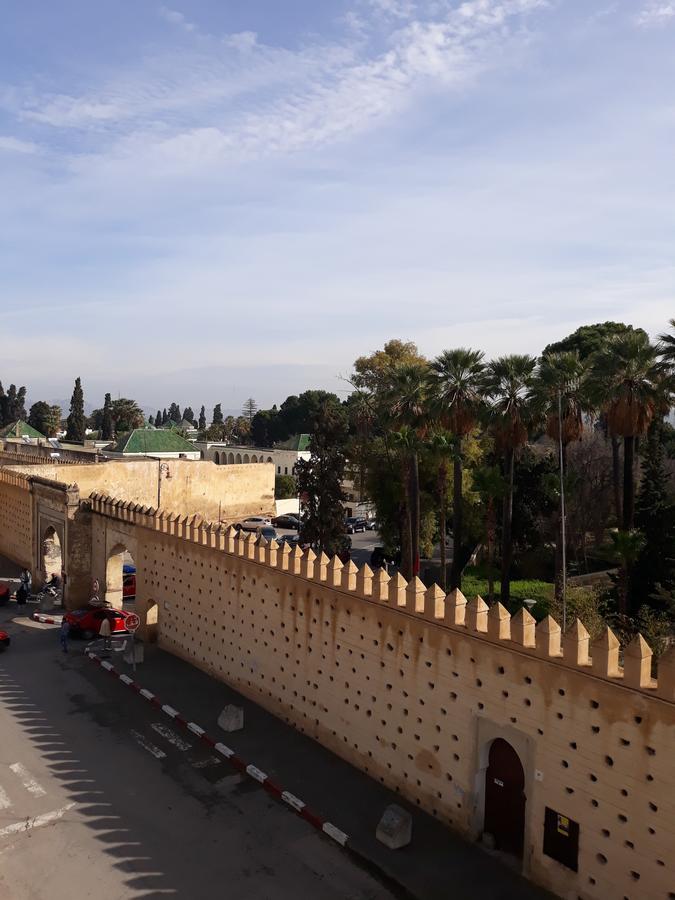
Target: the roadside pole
(132, 622)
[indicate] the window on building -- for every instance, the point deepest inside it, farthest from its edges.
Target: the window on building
(285, 470)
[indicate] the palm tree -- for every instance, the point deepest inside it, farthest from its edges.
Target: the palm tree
(668, 345)
(406, 399)
(627, 547)
(489, 484)
(456, 378)
(441, 447)
(508, 385)
(627, 381)
(560, 398)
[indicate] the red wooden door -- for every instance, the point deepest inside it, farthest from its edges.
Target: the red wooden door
(505, 798)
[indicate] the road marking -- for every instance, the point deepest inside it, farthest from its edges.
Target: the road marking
(170, 711)
(5, 802)
(27, 780)
(205, 763)
(37, 821)
(195, 729)
(170, 736)
(146, 745)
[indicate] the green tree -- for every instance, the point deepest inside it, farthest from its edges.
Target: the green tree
(655, 517)
(189, 415)
(76, 423)
(299, 414)
(441, 448)
(285, 487)
(151, 420)
(668, 344)
(202, 419)
(263, 426)
(217, 417)
(457, 399)
(508, 386)
(126, 415)
(12, 404)
(406, 399)
(627, 548)
(107, 423)
(491, 487)
(45, 418)
(175, 413)
(158, 418)
(625, 381)
(165, 417)
(319, 480)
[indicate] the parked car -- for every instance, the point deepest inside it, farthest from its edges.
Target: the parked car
(253, 523)
(86, 622)
(287, 520)
(354, 524)
(372, 525)
(267, 532)
(4, 640)
(128, 582)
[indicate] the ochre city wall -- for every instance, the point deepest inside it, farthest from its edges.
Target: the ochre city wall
(16, 518)
(412, 687)
(186, 485)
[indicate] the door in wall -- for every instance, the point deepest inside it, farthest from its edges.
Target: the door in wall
(505, 798)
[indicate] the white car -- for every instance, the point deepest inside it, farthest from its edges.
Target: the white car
(253, 523)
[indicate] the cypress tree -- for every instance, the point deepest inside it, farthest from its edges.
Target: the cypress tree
(217, 415)
(174, 413)
(151, 420)
(158, 418)
(202, 419)
(107, 419)
(165, 418)
(189, 414)
(75, 426)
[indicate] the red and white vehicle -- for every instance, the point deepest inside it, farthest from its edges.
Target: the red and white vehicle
(86, 622)
(4, 640)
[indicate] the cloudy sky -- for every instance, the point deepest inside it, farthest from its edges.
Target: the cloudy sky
(220, 198)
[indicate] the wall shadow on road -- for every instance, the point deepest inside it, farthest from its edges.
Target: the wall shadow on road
(144, 877)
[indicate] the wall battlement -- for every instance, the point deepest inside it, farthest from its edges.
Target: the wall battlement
(520, 632)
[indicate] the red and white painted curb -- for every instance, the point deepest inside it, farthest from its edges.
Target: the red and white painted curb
(239, 764)
(46, 620)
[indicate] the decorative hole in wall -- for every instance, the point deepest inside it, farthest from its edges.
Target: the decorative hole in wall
(595, 729)
(528, 680)
(629, 844)
(479, 683)
(505, 693)
(624, 792)
(594, 704)
(606, 832)
(513, 719)
(653, 807)
(573, 745)
(649, 777)
(651, 751)
(622, 818)
(635, 876)
(564, 764)
(594, 803)
(601, 858)
(637, 720)
(527, 702)
(624, 742)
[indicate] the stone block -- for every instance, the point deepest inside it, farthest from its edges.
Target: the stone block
(394, 829)
(231, 718)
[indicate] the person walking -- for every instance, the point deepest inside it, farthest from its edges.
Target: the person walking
(64, 631)
(105, 632)
(23, 591)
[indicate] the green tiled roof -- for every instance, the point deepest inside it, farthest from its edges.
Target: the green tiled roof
(20, 429)
(152, 440)
(298, 442)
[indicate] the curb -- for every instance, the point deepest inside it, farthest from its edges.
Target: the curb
(252, 771)
(47, 620)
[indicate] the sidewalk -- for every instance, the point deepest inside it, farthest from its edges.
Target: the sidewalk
(436, 865)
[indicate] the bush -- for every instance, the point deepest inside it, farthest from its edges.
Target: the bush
(285, 487)
(474, 581)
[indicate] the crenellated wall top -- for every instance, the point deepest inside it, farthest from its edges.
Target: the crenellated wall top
(628, 667)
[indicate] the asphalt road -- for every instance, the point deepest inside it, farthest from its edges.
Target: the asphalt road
(101, 797)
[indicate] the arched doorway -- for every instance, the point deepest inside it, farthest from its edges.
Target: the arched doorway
(238, 459)
(230, 459)
(217, 458)
(120, 579)
(246, 458)
(52, 557)
(254, 458)
(505, 798)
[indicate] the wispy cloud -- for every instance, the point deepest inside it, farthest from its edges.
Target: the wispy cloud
(657, 12)
(184, 111)
(174, 17)
(9, 144)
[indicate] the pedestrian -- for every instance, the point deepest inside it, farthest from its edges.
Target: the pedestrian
(64, 631)
(23, 591)
(105, 632)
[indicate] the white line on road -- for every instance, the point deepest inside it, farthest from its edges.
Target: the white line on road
(146, 745)
(170, 736)
(5, 802)
(27, 780)
(36, 822)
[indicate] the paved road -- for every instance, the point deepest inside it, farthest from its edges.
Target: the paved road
(101, 797)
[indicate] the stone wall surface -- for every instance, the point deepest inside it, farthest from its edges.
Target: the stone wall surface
(410, 685)
(413, 687)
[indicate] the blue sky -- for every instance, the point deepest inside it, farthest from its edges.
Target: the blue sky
(210, 200)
